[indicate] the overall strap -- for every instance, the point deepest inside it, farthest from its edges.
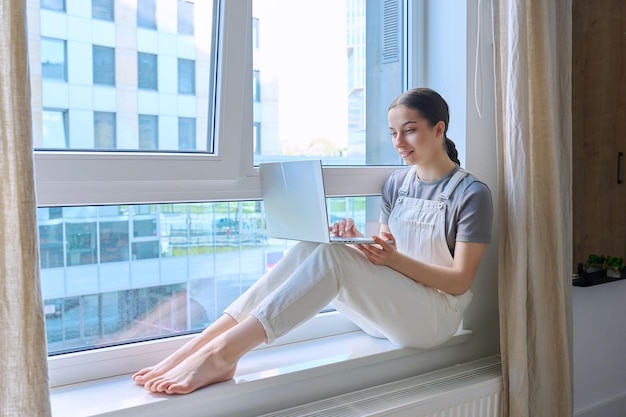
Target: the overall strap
(404, 189)
(452, 184)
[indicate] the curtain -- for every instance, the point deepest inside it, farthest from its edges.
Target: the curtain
(23, 356)
(532, 46)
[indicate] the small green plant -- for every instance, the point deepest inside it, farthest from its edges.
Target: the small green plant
(594, 263)
(614, 263)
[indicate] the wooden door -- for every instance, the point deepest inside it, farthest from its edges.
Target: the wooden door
(599, 127)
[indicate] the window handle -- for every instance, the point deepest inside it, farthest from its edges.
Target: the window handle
(619, 167)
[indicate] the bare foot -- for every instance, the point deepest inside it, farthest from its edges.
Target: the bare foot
(216, 361)
(221, 325)
(202, 368)
(146, 374)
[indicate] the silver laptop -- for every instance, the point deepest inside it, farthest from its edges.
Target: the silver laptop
(295, 202)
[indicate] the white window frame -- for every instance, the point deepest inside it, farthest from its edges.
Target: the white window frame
(95, 178)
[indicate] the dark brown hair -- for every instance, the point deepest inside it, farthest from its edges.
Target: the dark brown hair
(433, 108)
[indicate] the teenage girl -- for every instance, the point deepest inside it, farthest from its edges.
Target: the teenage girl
(413, 292)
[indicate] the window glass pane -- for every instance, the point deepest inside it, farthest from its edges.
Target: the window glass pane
(54, 124)
(104, 130)
(56, 5)
(147, 71)
(53, 59)
(103, 65)
(144, 271)
(186, 76)
(185, 17)
(103, 9)
(148, 132)
(294, 60)
(146, 14)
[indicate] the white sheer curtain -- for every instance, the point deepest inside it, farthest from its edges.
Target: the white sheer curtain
(23, 357)
(533, 46)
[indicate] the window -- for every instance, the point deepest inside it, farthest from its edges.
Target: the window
(185, 17)
(112, 245)
(103, 65)
(186, 76)
(148, 132)
(146, 14)
(55, 129)
(103, 9)
(149, 262)
(147, 73)
(186, 133)
(53, 59)
(56, 5)
(104, 130)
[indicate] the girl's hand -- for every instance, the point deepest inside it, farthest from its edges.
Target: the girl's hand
(381, 253)
(344, 227)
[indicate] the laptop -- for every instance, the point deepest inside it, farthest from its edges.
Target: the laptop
(295, 202)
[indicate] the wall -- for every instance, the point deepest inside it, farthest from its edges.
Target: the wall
(599, 350)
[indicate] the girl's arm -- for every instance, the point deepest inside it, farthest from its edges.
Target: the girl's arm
(455, 279)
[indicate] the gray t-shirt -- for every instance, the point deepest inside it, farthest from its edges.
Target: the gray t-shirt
(469, 212)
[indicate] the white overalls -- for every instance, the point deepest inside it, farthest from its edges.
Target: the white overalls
(380, 300)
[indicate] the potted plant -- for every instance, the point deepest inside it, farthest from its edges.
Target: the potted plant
(613, 266)
(594, 263)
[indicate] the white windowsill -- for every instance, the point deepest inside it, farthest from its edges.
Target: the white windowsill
(266, 380)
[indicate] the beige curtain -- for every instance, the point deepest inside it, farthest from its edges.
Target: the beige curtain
(23, 362)
(533, 111)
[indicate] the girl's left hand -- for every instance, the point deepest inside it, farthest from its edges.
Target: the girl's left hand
(381, 253)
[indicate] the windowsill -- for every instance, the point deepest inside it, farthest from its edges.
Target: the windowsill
(265, 380)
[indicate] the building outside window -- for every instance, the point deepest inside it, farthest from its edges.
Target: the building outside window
(103, 65)
(147, 73)
(186, 76)
(146, 14)
(55, 129)
(103, 9)
(53, 59)
(104, 130)
(148, 132)
(186, 133)
(185, 17)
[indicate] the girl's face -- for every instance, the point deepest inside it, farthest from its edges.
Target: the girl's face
(414, 139)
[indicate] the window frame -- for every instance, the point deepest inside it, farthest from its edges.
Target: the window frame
(228, 174)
